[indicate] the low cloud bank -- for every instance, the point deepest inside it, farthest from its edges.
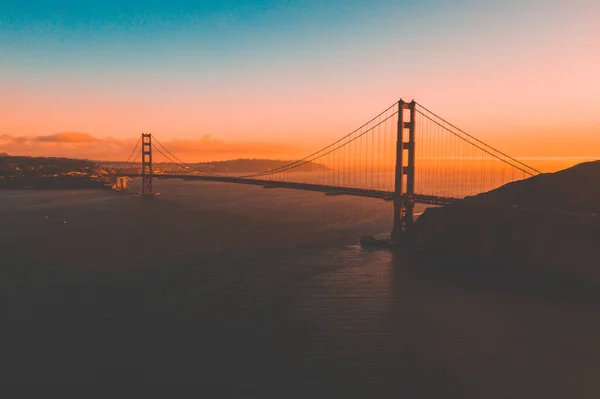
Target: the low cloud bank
(85, 145)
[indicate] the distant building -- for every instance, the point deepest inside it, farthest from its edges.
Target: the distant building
(121, 183)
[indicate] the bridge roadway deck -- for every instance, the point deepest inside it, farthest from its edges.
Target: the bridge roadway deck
(328, 190)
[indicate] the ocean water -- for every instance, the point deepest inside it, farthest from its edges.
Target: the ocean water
(265, 292)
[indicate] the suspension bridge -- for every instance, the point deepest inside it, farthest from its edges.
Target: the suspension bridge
(406, 154)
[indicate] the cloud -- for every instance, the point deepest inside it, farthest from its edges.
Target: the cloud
(65, 137)
(210, 146)
(5, 139)
(85, 145)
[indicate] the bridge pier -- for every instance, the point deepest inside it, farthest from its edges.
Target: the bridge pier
(403, 218)
(404, 190)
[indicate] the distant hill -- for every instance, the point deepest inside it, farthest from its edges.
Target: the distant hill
(250, 166)
(233, 166)
(49, 172)
(52, 172)
(47, 164)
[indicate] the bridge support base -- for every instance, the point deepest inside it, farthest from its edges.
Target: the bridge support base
(403, 218)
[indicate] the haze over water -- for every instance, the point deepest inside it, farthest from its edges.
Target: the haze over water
(267, 290)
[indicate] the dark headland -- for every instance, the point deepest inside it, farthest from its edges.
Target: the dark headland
(548, 222)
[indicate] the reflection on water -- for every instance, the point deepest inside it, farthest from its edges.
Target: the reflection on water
(268, 291)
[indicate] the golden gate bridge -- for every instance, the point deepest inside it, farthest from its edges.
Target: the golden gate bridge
(406, 154)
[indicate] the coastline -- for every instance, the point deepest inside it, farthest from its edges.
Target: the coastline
(534, 240)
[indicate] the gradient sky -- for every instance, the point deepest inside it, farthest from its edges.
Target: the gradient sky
(282, 77)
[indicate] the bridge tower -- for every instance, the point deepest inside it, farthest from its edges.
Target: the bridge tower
(405, 171)
(146, 163)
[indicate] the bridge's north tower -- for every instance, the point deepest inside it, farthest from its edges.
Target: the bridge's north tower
(404, 190)
(146, 163)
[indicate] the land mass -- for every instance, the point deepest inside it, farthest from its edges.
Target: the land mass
(233, 166)
(68, 173)
(548, 222)
(50, 173)
(252, 166)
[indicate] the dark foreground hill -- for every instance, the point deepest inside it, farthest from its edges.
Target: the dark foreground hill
(573, 190)
(548, 222)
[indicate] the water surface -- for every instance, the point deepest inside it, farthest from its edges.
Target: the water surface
(267, 292)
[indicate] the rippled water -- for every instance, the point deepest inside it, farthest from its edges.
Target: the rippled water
(266, 292)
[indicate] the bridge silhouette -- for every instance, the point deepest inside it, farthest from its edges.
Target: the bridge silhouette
(406, 154)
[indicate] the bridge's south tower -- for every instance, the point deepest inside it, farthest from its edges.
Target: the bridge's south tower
(404, 191)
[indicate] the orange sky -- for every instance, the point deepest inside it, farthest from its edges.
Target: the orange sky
(84, 145)
(520, 77)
